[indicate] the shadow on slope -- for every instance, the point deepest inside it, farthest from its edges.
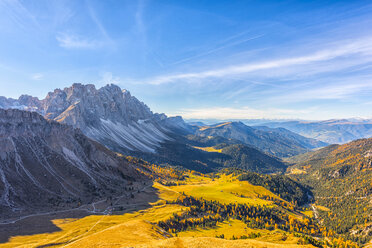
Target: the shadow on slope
(138, 199)
(187, 152)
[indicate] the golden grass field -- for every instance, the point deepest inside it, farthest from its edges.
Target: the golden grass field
(297, 171)
(220, 125)
(322, 208)
(139, 229)
(309, 213)
(208, 149)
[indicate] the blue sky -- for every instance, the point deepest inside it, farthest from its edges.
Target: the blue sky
(199, 59)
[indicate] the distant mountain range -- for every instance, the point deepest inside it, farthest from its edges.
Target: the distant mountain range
(275, 141)
(330, 131)
(334, 131)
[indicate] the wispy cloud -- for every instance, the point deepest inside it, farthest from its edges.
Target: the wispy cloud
(19, 14)
(141, 31)
(334, 51)
(108, 78)
(140, 25)
(219, 48)
(75, 42)
(350, 88)
(37, 76)
(99, 24)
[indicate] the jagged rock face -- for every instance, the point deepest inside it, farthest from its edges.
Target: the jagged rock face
(84, 105)
(54, 104)
(109, 115)
(44, 162)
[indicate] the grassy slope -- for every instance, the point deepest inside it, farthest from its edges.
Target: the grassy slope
(237, 228)
(225, 190)
(207, 242)
(137, 229)
(208, 149)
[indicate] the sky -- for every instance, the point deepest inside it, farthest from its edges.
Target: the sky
(199, 59)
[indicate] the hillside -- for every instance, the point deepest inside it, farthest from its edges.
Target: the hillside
(194, 153)
(47, 165)
(248, 158)
(206, 154)
(277, 142)
(309, 143)
(284, 186)
(340, 176)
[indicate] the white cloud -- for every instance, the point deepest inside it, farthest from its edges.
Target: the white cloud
(225, 113)
(74, 42)
(358, 47)
(108, 78)
(323, 90)
(37, 76)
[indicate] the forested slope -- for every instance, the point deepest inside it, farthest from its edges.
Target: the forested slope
(341, 178)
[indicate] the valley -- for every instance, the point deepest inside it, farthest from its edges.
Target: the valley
(138, 228)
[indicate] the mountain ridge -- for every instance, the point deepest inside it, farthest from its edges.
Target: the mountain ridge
(47, 164)
(277, 142)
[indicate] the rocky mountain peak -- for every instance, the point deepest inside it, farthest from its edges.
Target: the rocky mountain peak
(112, 88)
(109, 115)
(78, 91)
(29, 100)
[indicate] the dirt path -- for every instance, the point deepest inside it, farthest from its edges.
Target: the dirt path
(81, 208)
(316, 213)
